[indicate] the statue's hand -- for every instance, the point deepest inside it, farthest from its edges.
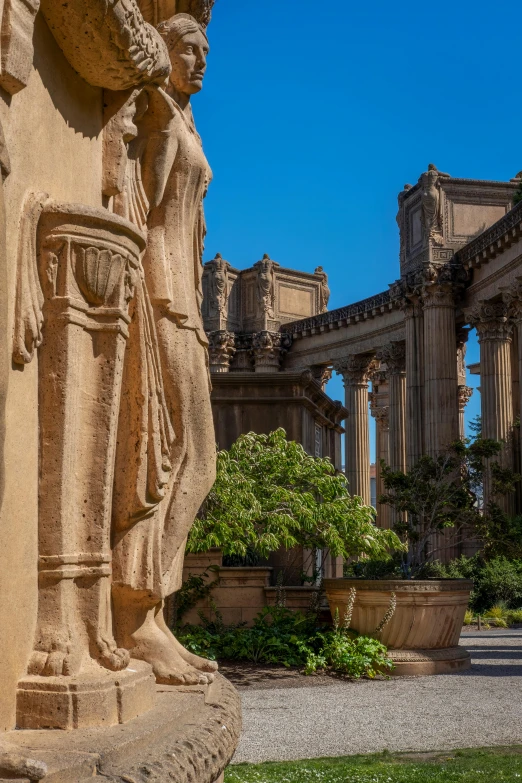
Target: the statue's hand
(160, 112)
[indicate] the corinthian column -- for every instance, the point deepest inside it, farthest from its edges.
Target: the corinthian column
(381, 412)
(355, 371)
(394, 355)
(440, 363)
(494, 330)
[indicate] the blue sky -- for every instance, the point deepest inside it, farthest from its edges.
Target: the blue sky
(314, 116)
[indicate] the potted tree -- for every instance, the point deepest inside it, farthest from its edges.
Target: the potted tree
(435, 505)
(270, 495)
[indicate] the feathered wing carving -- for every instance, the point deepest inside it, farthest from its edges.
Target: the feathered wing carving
(156, 11)
(29, 295)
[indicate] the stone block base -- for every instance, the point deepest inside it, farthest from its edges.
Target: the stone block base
(412, 663)
(97, 698)
(189, 735)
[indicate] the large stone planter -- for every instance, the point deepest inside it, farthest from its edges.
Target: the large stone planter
(423, 635)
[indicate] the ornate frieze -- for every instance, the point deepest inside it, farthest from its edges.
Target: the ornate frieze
(493, 241)
(221, 349)
(491, 320)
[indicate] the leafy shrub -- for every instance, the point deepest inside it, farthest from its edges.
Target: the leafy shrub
(280, 636)
(270, 494)
(497, 581)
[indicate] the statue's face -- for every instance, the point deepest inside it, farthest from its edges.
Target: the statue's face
(189, 63)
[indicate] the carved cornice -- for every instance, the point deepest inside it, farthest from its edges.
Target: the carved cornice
(394, 355)
(355, 370)
(492, 242)
(366, 308)
(491, 320)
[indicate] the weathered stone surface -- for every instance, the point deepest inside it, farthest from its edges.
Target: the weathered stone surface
(190, 735)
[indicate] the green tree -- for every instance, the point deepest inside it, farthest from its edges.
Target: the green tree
(446, 492)
(270, 494)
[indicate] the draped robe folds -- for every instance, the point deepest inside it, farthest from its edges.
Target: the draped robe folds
(165, 461)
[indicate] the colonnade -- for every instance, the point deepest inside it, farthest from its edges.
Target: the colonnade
(418, 386)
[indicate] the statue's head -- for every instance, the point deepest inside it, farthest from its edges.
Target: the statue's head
(188, 48)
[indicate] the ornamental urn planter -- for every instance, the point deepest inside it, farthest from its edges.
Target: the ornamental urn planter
(423, 634)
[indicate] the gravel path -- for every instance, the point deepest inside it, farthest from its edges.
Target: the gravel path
(477, 708)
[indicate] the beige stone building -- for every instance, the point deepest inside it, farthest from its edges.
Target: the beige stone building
(401, 353)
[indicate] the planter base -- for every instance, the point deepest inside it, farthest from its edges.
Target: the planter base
(412, 663)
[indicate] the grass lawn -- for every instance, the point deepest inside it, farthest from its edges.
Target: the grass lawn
(490, 765)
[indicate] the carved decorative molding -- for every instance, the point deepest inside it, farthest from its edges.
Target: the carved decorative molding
(355, 370)
(221, 350)
(108, 42)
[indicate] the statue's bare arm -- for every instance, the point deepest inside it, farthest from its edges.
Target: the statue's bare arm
(161, 144)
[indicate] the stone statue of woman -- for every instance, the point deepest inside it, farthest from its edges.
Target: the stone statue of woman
(165, 462)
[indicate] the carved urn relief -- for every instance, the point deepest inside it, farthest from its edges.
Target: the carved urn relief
(83, 279)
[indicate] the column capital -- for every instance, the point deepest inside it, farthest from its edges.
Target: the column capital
(355, 369)
(321, 373)
(381, 414)
(464, 395)
(269, 348)
(491, 320)
(221, 349)
(512, 296)
(394, 356)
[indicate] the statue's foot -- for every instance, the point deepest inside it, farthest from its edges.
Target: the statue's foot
(110, 656)
(196, 661)
(54, 658)
(154, 647)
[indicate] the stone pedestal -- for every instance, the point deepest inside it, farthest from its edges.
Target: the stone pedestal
(95, 698)
(189, 735)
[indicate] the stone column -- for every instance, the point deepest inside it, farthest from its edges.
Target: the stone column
(355, 371)
(382, 419)
(414, 324)
(494, 330)
(440, 363)
(464, 395)
(394, 355)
